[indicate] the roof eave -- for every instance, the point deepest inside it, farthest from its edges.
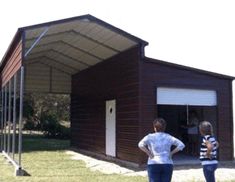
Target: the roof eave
(90, 18)
(189, 68)
(117, 30)
(10, 48)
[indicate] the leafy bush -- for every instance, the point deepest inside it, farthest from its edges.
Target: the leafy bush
(29, 125)
(64, 132)
(48, 113)
(52, 128)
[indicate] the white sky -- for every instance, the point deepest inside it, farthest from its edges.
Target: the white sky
(196, 33)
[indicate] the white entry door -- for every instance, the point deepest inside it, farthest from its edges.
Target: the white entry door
(111, 128)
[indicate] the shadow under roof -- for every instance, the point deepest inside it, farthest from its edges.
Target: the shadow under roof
(74, 44)
(54, 51)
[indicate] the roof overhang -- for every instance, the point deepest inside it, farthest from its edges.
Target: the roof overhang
(54, 51)
(218, 75)
(74, 44)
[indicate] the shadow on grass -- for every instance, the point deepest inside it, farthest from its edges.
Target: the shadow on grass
(25, 173)
(37, 142)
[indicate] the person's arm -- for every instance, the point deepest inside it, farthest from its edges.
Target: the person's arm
(217, 144)
(147, 151)
(175, 151)
(209, 147)
(143, 146)
(179, 146)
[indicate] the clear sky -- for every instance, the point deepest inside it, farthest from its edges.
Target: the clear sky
(196, 33)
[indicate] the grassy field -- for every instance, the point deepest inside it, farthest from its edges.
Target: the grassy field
(46, 160)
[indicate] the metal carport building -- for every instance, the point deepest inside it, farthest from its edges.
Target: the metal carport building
(43, 58)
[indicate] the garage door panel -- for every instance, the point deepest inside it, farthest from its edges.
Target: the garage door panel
(181, 96)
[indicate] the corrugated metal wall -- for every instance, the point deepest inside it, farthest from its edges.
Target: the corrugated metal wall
(116, 78)
(43, 78)
(13, 64)
(159, 75)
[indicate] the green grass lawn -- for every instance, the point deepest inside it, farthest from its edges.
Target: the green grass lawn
(46, 160)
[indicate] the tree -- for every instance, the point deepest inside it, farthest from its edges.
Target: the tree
(45, 111)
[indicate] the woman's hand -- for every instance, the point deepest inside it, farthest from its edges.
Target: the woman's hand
(150, 154)
(147, 151)
(217, 144)
(174, 151)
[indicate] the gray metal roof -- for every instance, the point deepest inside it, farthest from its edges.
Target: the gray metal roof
(56, 50)
(75, 44)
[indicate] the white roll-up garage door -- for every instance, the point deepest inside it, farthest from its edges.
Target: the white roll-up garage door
(181, 96)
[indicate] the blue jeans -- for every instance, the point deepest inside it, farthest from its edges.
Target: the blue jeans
(160, 172)
(209, 172)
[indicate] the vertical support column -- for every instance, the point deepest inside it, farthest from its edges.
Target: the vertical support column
(9, 120)
(5, 120)
(14, 117)
(21, 112)
(2, 113)
(187, 114)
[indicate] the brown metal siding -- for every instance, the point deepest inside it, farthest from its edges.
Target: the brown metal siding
(116, 78)
(13, 63)
(133, 82)
(154, 75)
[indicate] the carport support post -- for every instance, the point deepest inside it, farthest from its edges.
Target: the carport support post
(2, 96)
(5, 119)
(187, 114)
(3, 115)
(9, 120)
(14, 118)
(20, 171)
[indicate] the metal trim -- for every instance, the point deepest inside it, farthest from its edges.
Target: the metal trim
(71, 47)
(35, 60)
(14, 117)
(21, 112)
(36, 41)
(9, 119)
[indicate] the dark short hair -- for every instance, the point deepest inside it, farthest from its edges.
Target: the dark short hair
(206, 128)
(159, 124)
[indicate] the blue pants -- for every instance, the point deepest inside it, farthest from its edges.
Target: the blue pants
(209, 172)
(160, 172)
